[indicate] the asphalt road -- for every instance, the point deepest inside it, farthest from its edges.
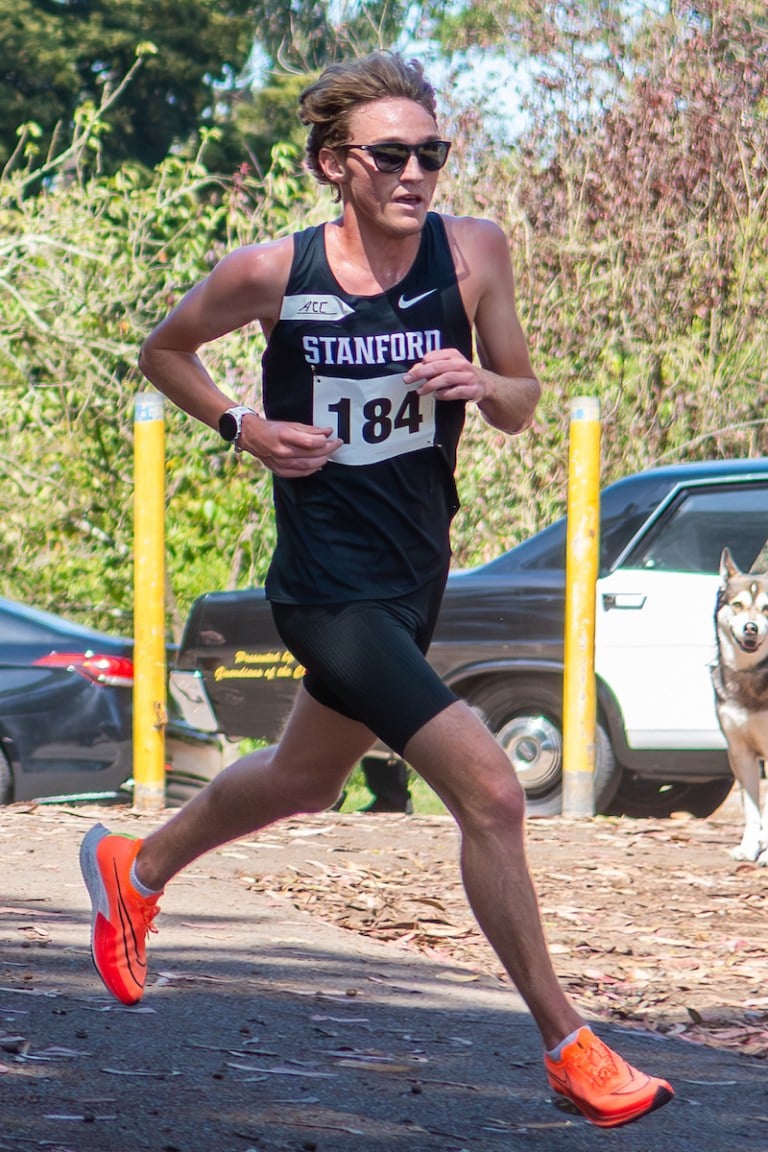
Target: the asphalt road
(265, 1028)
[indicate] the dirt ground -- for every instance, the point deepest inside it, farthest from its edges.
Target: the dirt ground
(267, 1027)
(650, 922)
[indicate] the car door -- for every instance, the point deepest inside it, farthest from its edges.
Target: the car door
(654, 635)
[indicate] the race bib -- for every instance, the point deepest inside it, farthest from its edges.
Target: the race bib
(376, 419)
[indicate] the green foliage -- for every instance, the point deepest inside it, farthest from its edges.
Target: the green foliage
(61, 56)
(87, 268)
(197, 64)
(260, 120)
(639, 233)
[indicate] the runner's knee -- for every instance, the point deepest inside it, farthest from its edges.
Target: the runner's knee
(493, 798)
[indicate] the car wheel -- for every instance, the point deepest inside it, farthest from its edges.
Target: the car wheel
(525, 718)
(637, 797)
(6, 780)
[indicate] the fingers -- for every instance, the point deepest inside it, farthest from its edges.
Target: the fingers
(302, 440)
(292, 449)
(294, 466)
(448, 374)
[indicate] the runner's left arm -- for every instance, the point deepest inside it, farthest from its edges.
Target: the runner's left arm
(503, 383)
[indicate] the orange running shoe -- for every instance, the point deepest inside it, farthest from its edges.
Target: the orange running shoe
(121, 917)
(606, 1089)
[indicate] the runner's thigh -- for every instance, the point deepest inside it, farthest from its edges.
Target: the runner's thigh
(366, 660)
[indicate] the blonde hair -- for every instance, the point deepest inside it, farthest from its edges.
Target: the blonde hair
(327, 105)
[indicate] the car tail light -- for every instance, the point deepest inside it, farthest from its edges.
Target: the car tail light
(113, 671)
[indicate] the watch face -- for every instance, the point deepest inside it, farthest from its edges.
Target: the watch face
(228, 426)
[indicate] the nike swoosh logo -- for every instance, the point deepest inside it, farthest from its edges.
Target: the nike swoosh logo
(403, 303)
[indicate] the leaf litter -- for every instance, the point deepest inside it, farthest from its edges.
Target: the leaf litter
(650, 923)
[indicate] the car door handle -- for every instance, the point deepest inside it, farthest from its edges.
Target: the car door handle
(625, 600)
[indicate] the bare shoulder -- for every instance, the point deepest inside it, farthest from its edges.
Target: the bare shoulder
(482, 261)
(475, 234)
(246, 285)
(256, 265)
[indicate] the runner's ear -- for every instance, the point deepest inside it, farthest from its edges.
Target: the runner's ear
(331, 164)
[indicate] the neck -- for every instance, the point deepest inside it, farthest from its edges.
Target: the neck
(366, 259)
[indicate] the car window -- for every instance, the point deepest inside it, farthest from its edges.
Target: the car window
(552, 555)
(618, 524)
(615, 533)
(624, 508)
(546, 549)
(690, 537)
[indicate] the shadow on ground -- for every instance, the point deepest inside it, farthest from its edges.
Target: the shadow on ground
(265, 1028)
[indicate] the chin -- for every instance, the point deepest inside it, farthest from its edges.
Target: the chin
(407, 221)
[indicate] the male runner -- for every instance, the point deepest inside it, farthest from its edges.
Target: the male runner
(369, 365)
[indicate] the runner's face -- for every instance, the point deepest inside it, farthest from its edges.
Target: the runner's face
(396, 201)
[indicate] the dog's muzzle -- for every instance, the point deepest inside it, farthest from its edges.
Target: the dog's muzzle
(750, 637)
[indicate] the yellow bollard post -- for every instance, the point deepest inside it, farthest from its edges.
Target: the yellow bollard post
(149, 691)
(581, 570)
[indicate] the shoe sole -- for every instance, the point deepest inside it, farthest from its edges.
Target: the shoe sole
(662, 1097)
(89, 866)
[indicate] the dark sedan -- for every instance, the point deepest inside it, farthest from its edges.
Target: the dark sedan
(66, 707)
(499, 643)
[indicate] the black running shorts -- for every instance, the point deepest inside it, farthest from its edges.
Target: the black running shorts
(367, 659)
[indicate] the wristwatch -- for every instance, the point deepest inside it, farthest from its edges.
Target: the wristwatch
(231, 424)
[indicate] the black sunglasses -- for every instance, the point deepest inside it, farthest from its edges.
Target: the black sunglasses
(394, 157)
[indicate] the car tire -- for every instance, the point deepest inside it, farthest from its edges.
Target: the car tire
(526, 719)
(648, 799)
(6, 780)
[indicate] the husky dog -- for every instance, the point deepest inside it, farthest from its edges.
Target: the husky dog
(740, 678)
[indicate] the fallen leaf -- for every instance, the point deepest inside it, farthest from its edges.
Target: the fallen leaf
(157, 1074)
(282, 1071)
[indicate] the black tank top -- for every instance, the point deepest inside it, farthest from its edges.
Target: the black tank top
(375, 521)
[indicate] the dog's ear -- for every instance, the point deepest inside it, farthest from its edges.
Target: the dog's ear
(728, 567)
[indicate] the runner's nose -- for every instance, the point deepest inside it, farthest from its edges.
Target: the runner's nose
(413, 170)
